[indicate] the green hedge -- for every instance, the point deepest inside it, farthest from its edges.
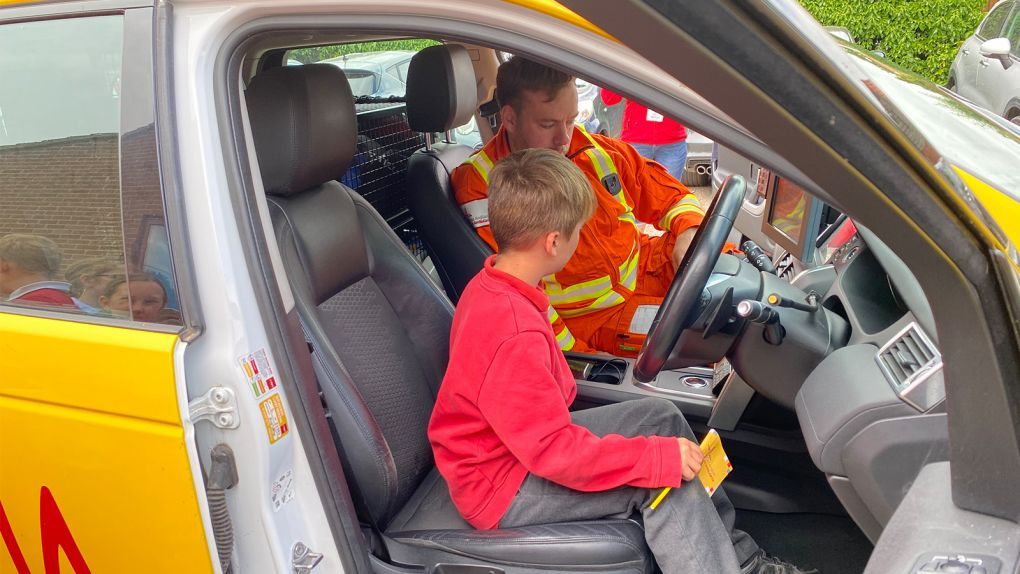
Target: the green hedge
(311, 55)
(920, 35)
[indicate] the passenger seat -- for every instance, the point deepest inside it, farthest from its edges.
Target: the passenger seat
(379, 328)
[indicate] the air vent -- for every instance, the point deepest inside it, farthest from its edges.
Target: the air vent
(785, 268)
(907, 361)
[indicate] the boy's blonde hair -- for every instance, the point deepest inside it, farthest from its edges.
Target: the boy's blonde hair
(533, 192)
(33, 253)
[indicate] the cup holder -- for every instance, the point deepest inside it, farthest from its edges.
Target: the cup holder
(609, 372)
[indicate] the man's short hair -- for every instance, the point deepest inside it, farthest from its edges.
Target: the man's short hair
(32, 253)
(536, 191)
(518, 75)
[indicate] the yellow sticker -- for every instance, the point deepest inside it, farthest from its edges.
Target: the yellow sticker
(275, 417)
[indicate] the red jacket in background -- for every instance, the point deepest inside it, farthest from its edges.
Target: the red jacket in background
(502, 409)
(644, 126)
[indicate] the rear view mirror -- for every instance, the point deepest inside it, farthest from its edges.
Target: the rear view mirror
(997, 48)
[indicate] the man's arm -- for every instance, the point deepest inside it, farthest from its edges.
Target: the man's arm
(472, 195)
(658, 198)
(526, 407)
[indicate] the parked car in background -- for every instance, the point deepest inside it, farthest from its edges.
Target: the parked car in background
(985, 70)
(375, 74)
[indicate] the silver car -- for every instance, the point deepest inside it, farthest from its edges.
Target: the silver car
(985, 70)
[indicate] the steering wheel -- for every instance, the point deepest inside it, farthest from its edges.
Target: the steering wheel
(675, 313)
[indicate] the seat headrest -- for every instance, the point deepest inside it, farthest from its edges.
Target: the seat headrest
(441, 92)
(304, 126)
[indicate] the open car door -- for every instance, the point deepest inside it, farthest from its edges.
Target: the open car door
(771, 68)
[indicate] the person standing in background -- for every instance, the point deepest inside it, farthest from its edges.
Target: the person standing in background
(652, 134)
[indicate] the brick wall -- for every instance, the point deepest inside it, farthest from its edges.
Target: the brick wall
(69, 191)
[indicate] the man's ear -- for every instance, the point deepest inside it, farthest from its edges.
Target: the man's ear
(4, 265)
(508, 118)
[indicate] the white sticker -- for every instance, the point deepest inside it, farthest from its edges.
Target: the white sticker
(259, 372)
(653, 116)
(477, 212)
(283, 490)
(641, 323)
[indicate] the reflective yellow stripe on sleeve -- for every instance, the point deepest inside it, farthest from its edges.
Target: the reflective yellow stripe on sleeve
(563, 338)
(689, 204)
(482, 164)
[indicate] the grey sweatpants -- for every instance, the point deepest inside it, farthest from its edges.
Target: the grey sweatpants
(688, 532)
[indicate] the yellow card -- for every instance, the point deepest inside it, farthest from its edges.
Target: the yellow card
(714, 467)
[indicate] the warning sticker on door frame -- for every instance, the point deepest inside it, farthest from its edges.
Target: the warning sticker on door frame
(275, 417)
(282, 490)
(259, 372)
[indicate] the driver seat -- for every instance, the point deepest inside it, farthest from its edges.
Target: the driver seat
(441, 95)
(379, 330)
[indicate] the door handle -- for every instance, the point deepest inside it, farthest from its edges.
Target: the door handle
(965, 51)
(984, 63)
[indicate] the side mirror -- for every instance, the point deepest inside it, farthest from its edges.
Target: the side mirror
(997, 48)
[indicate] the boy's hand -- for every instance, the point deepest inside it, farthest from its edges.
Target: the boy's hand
(690, 458)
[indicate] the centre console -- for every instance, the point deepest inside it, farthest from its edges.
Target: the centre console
(699, 392)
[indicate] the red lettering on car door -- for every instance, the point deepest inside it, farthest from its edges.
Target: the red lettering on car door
(55, 535)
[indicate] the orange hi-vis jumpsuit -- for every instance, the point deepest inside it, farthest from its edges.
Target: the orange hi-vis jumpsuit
(616, 268)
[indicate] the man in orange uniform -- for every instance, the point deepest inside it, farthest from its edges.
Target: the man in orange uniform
(605, 297)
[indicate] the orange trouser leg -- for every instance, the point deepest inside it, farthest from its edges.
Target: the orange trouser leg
(609, 330)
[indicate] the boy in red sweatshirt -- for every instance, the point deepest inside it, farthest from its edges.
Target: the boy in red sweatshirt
(503, 437)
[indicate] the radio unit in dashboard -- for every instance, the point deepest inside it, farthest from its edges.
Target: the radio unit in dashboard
(792, 216)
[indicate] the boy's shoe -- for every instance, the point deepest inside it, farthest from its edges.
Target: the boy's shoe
(762, 563)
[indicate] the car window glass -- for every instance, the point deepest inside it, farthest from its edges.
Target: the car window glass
(1013, 33)
(70, 150)
(992, 26)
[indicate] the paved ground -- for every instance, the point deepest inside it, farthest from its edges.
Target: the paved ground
(704, 195)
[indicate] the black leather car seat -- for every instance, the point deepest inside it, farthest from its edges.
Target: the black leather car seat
(379, 330)
(441, 95)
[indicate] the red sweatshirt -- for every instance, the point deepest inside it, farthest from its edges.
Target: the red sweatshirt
(502, 409)
(644, 126)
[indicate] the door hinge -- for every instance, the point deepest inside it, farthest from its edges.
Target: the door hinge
(303, 560)
(217, 406)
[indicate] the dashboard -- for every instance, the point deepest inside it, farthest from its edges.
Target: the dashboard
(871, 409)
